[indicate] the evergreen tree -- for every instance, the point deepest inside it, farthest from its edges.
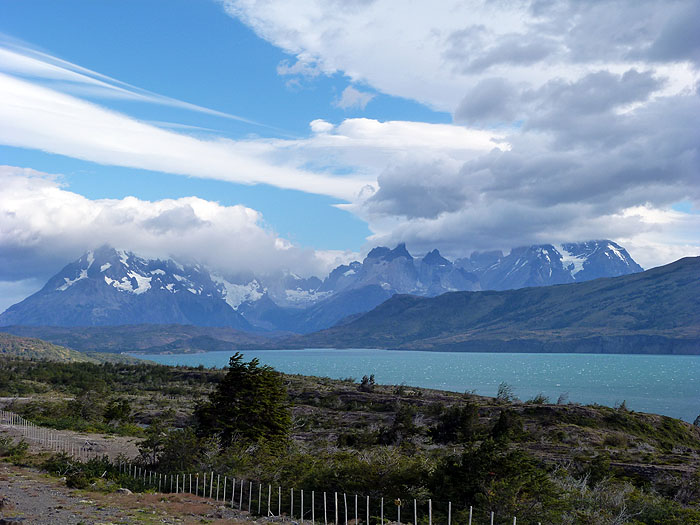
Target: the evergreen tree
(249, 404)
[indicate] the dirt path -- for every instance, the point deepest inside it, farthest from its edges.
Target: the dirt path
(36, 498)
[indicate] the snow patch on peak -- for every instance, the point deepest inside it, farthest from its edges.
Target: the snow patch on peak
(573, 263)
(302, 297)
(105, 266)
(236, 294)
(616, 251)
(90, 258)
(123, 257)
(70, 282)
(143, 283)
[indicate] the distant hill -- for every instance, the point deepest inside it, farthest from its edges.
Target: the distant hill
(32, 348)
(146, 338)
(657, 311)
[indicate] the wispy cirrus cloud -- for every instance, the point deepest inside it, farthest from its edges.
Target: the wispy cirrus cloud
(40, 110)
(36, 117)
(20, 59)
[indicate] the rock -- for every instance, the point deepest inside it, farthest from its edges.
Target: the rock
(122, 490)
(10, 521)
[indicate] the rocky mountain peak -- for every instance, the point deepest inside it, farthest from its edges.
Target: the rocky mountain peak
(434, 258)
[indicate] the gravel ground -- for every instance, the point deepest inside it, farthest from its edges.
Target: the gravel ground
(31, 497)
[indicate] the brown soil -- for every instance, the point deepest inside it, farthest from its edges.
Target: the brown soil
(39, 499)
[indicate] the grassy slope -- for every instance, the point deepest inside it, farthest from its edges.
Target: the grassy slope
(654, 311)
(32, 348)
(147, 338)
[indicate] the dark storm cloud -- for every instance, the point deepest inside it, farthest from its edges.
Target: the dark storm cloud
(558, 181)
(680, 37)
(491, 100)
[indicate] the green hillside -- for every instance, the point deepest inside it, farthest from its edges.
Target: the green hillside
(657, 311)
(32, 348)
(145, 338)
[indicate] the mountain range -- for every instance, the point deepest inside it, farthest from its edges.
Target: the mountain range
(656, 311)
(109, 287)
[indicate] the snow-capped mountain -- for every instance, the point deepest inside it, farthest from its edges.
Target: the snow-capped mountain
(112, 287)
(109, 287)
(396, 271)
(546, 264)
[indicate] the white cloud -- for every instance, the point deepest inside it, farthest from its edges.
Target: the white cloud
(595, 105)
(370, 146)
(352, 98)
(40, 118)
(436, 52)
(43, 227)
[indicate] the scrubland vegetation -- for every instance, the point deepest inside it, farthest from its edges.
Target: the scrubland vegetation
(542, 461)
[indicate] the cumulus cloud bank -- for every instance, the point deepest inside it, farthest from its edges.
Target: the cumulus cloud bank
(43, 226)
(596, 105)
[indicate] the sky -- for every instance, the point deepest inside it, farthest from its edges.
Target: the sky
(261, 136)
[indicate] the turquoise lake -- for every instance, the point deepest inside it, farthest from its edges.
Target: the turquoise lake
(668, 385)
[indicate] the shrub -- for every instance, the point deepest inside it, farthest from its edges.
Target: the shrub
(508, 426)
(457, 424)
(505, 393)
(367, 384)
(539, 399)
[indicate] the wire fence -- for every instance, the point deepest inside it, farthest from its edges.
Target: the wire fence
(264, 499)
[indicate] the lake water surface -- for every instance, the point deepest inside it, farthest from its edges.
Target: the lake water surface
(668, 385)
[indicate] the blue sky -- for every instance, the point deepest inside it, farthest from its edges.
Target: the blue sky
(270, 136)
(202, 56)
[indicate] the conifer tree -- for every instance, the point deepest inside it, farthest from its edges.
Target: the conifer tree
(249, 404)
